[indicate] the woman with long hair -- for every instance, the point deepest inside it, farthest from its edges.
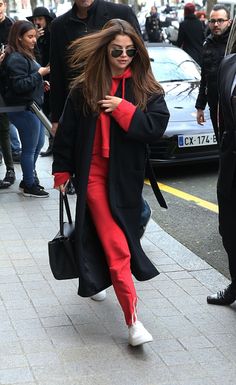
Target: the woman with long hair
(114, 109)
(24, 84)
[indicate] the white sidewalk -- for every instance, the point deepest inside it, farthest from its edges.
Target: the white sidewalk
(50, 336)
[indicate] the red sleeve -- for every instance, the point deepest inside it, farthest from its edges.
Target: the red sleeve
(123, 114)
(60, 178)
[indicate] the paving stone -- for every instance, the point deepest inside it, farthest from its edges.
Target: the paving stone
(16, 375)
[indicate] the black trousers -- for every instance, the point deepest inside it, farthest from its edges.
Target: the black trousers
(213, 114)
(227, 227)
(5, 141)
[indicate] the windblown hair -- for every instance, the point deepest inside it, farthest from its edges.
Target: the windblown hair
(17, 31)
(89, 61)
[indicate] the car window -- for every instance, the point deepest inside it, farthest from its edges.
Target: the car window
(171, 64)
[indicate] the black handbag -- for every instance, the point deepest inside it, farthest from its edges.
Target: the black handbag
(61, 249)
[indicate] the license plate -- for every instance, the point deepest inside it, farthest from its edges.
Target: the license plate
(196, 140)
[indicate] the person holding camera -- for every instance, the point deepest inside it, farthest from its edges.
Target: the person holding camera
(42, 19)
(24, 84)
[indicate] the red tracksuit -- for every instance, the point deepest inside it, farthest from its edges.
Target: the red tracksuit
(113, 239)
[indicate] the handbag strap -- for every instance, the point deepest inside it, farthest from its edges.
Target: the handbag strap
(64, 201)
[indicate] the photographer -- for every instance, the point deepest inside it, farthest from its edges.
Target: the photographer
(42, 19)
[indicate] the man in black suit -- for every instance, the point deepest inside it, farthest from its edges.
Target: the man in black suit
(86, 16)
(226, 188)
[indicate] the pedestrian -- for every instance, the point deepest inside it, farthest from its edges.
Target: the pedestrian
(117, 99)
(153, 27)
(24, 84)
(201, 15)
(212, 55)
(5, 143)
(42, 19)
(191, 35)
(226, 186)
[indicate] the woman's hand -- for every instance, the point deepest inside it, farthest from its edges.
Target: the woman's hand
(62, 187)
(2, 55)
(110, 103)
(46, 86)
(44, 71)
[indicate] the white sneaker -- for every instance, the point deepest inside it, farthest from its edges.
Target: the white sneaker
(99, 296)
(138, 335)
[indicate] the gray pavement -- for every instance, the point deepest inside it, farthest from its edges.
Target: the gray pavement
(50, 336)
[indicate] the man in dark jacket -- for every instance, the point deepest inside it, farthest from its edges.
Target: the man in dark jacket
(191, 34)
(226, 187)
(213, 53)
(85, 16)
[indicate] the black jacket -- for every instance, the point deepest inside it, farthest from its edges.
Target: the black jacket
(23, 82)
(213, 53)
(43, 45)
(191, 37)
(227, 124)
(5, 26)
(153, 28)
(72, 152)
(69, 27)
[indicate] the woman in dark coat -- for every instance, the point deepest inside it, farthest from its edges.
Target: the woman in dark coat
(114, 109)
(191, 35)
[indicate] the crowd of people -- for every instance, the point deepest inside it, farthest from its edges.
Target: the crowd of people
(89, 68)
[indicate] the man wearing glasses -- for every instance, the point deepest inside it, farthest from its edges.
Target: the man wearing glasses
(213, 53)
(226, 186)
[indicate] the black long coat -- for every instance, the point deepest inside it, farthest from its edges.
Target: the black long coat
(68, 27)
(227, 126)
(72, 152)
(191, 37)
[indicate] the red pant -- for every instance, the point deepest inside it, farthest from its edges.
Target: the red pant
(112, 238)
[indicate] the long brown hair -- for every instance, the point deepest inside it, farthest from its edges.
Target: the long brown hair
(89, 61)
(18, 29)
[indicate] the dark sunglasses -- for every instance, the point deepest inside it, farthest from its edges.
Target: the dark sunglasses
(116, 52)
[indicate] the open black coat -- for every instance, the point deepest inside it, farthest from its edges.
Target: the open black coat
(72, 152)
(68, 27)
(227, 127)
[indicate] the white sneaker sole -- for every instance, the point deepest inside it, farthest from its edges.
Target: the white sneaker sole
(99, 296)
(35, 196)
(141, 340)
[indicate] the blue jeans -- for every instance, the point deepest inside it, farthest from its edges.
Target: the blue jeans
(31, 132)
(15, 143)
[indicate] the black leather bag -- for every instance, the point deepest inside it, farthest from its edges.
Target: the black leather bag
(61, 249)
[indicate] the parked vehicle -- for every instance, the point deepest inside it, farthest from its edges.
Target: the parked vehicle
(184, 140)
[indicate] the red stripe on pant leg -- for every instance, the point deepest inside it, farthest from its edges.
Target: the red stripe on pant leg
(112, 238)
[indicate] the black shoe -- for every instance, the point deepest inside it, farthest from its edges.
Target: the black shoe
(48, 152)
(4, 184)
(16, 156)
(224, 297)
(34, 191)
(10, 177)
(22, 185)
(70, 190)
